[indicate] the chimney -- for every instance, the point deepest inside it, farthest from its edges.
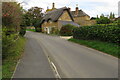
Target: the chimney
(47, 7)
(69, 8)
(77, 9)
(53, 5)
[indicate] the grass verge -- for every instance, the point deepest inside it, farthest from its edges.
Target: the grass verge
(30, 30)
(9, 63)
(109, 48)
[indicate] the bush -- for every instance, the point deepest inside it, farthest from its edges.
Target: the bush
(38, 29)
(103, 20)
(54, 31)
(37, 26)
(7, 43)
(102, 33)
(67, 30)
(22, 31)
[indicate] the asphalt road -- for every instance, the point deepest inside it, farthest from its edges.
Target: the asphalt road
(72, 60)
(34, 63)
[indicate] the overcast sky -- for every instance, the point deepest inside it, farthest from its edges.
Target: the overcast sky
(91, 7)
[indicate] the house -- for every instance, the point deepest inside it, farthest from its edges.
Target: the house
(81, 18)
(55, 19)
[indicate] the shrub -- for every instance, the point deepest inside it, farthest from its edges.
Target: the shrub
(37, 26)
(67, 30)
(103, 20)
(22, 31)
(102, 33)
(54, 31)
(7, 43)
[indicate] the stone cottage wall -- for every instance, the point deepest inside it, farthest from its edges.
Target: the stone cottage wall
(49, 24)
(84, 21)
(65, 16)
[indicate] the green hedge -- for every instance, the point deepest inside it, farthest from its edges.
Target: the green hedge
(7, 42)
(102, 33)
(22, 31)
(67, 30)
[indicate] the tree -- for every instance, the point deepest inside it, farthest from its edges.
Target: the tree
(11, 15)
(35, 13)
(11, 22)
(112, 15)
(33, 17)
(102, 15)
(103, 20)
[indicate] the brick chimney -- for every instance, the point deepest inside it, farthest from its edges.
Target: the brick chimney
(53, 5)
(77, 9)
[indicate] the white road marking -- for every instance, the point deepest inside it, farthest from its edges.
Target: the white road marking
(55, 69)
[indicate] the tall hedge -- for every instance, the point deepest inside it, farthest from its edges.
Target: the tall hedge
(102, 33)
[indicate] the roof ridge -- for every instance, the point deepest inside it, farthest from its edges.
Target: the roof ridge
(57, 9)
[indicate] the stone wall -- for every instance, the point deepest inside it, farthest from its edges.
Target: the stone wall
(84, 21)
(65, 17)
(49, 24)
(89, 22)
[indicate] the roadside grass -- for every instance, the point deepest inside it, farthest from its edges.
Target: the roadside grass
(9, 63)
(109, 48)
(30, 30)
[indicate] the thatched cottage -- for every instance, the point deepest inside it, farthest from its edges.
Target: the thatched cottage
(55, 19)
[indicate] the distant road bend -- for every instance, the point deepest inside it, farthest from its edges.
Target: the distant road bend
(71, 60)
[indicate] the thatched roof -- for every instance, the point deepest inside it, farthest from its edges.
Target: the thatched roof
(55, 14)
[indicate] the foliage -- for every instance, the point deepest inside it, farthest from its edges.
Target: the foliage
(14, 54)
(112, 15)
(54, 31)
(12, 19)
(22, 30)
(103, 20)
(118, 21)
(30, 30)
(27, 20)
(110, 48)
(32, 17)
(67, 30)
(37, 26)
(102, 33)
(11, 15)
(7, 42)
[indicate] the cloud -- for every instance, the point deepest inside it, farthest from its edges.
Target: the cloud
(91, 7)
